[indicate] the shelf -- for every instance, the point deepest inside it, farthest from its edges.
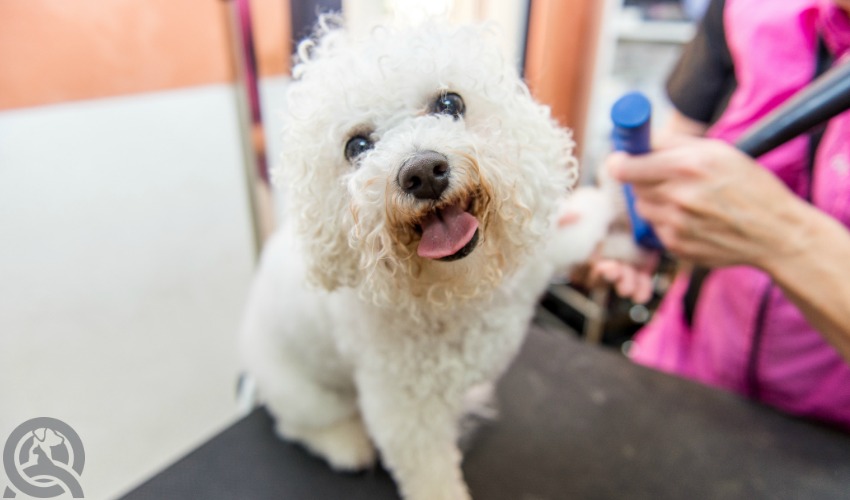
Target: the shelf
(655, 31)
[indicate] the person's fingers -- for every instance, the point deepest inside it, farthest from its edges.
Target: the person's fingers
(627, 280)
(656, 212)
(603, 272)
(643, 288)
(625, 285)
(650, 168)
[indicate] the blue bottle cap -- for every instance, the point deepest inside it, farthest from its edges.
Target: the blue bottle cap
(631, 111)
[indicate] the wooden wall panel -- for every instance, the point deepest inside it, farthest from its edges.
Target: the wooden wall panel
(61, 50)
(562, 41)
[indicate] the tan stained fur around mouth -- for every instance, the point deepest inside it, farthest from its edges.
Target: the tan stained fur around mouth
(432, 284)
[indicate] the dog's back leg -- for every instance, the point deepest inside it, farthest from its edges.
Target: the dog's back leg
(301, 379)
(325, 421)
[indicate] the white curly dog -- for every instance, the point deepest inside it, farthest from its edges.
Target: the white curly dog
(423, 187)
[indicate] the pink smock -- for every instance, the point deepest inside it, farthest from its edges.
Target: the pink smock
(773, 45)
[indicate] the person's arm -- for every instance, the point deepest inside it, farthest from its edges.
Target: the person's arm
(815, 274)
(712, 205)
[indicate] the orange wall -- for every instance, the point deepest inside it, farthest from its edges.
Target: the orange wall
(61, 50)
(562, 39)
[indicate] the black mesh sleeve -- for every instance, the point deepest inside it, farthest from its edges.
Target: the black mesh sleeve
(703, 79)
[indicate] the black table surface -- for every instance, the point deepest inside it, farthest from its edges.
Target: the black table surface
(576, 421)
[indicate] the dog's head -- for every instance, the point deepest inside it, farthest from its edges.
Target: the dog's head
(416, 164)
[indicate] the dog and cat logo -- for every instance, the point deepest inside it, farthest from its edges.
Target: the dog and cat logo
(43, 458)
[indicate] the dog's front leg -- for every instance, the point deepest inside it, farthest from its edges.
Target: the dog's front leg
(414, 425)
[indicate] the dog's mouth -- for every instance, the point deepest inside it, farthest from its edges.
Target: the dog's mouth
(449, 233)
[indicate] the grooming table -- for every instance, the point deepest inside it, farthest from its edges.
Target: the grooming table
(577, 421)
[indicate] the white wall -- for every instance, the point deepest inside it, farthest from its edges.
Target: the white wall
(125, 256)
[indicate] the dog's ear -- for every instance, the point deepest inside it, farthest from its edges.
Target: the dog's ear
(323, 224)
(331, 270)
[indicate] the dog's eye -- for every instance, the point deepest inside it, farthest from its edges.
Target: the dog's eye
(449, 104)
(356, 146)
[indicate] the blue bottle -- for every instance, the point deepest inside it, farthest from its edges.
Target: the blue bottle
(632, 115)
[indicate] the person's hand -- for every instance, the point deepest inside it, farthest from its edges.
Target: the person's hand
(616, 261)
(709, 203)
(630, 280)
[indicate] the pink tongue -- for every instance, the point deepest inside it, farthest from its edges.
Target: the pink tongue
(445, 234)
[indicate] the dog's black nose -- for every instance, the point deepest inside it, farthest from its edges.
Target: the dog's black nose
(425, 175)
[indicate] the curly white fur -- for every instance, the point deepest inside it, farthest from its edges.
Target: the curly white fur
(353, 338)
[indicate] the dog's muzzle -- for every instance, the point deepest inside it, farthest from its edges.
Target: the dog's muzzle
(449, 231)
